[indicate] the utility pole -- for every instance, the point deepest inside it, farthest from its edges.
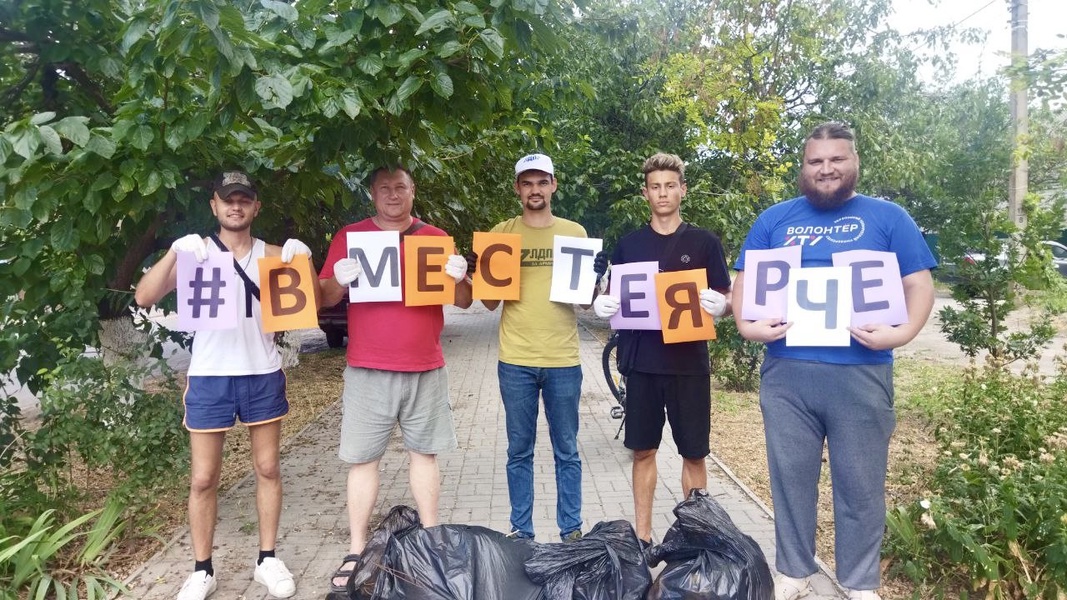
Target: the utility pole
(1018, 184)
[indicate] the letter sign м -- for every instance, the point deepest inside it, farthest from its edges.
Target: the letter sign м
(388, 263)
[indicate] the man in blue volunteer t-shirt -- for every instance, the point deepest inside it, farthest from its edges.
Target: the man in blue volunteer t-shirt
(840, 395)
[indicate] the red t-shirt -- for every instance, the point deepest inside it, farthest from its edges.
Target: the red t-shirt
(389, 335)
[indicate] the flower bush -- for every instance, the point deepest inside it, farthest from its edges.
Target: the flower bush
(995, 517)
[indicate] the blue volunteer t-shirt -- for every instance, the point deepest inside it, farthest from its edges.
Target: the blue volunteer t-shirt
(863, 223)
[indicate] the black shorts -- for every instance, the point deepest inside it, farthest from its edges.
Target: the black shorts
(685, 400)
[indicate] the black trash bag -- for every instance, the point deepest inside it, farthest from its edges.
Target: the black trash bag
(363, 583)
(457, 562)
(708, 558)
(606, 564)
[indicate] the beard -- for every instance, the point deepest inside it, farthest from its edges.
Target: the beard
(536, 204)
(833, 199)
(235, 228)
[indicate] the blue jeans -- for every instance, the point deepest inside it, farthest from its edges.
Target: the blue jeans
(560, 387)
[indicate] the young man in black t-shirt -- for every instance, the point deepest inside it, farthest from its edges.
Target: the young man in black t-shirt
(668, 382)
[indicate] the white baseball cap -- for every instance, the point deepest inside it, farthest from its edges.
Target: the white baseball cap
(534, 162)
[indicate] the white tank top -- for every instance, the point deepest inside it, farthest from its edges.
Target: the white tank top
(245, 350)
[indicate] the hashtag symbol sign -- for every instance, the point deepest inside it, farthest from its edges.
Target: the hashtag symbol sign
(213, 286)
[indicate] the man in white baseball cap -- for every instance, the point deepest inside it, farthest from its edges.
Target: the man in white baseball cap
(539, 356)
(535, 162)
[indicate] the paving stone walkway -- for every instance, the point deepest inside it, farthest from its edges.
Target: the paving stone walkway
(314, 526)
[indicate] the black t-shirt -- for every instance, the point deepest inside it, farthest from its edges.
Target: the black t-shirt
(695, 248)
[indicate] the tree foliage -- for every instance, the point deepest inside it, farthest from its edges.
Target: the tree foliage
(116, 115)
(119, 113)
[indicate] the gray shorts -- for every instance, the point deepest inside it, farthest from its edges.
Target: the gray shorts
(375, 401)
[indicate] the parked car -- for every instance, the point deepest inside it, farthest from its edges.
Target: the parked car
(950, 273)
(1059, 256)
(333, 321)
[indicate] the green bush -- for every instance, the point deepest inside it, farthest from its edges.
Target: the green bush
(111, 425)
(735, 361)
(100, 414)
(995, 520)
(63, 562)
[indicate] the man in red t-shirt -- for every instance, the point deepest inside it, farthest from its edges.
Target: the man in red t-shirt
(395, 369)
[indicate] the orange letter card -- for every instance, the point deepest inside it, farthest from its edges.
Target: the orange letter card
(425, 281)
(680, 315)
(499, 260)
(286, 297)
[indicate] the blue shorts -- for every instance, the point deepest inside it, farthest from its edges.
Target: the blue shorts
(214, 403)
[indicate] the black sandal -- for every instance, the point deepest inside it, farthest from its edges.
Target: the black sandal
(343, 572)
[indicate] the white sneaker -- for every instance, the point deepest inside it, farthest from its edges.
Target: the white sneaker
(273, 574)
(791, 588)
(863, 595)
(197, 586)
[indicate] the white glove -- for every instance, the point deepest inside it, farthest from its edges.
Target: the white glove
(456, 267)
(293, 247)
(605, 306)
(713, 302)
(191, 243)
(346, 270)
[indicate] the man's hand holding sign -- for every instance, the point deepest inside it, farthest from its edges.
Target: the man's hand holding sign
(861, 297)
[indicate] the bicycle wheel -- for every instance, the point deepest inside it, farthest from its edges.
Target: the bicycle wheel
(616, 382)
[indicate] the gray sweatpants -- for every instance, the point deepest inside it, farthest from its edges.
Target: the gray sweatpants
(851, 407)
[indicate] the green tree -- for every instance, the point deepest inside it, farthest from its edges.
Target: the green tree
(120, 113)
(116, 115)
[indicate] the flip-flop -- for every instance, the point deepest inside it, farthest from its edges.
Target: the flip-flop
(343, 572)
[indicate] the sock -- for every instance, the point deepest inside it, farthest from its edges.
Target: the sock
(264, 554)
(204, 565)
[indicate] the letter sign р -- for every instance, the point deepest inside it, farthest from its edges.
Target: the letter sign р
(767, 273)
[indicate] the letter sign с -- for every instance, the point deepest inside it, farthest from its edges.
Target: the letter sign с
(499, 264)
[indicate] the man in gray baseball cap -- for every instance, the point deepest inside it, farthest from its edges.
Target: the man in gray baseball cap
(235, 181)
